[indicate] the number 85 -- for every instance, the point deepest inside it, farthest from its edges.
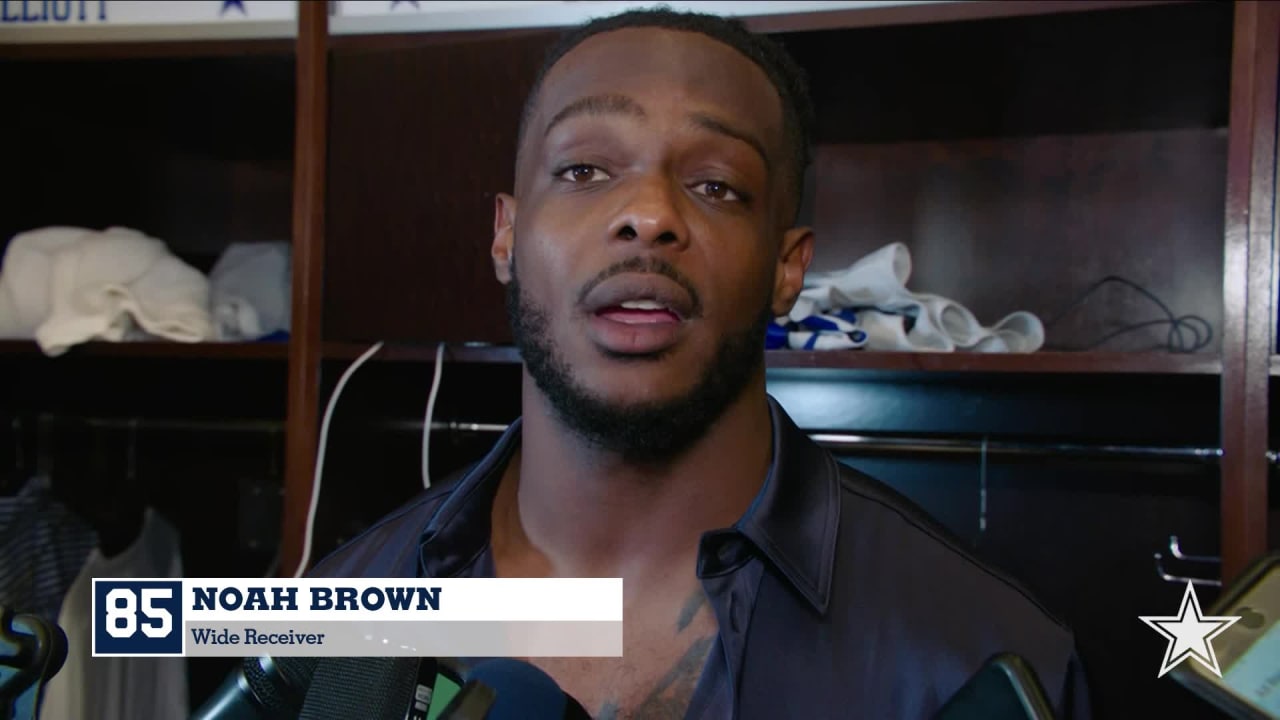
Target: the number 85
(122, 613)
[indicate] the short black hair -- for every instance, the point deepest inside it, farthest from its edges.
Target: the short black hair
(788, 78)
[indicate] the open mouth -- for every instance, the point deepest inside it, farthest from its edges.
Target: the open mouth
(639, 312)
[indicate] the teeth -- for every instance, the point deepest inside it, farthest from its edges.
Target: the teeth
(643, 305)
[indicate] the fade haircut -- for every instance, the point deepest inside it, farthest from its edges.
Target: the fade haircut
(787, 77)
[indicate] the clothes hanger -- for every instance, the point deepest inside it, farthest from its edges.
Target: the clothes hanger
(121, 523)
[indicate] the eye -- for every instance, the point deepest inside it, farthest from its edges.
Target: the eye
(582, 174)
(717, 190)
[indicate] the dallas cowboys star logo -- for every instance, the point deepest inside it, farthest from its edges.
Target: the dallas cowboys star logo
(1189, 634)
(233, 5)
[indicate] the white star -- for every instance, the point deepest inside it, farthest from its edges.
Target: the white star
(1189, 634)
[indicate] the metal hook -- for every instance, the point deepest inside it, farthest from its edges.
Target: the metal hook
(1180, 579)
(1176, 550)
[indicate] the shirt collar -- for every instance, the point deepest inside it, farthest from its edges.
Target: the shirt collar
(795, 517)
(793, 520)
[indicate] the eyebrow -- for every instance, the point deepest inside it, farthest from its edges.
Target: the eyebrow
(626, 106)
(597, 105)
(721, 127)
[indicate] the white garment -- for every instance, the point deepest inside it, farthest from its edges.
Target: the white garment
(24, 279)
(118, 688)
(67, 285)
(249, 290)
(877, 282)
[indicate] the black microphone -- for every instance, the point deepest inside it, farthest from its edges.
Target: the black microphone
(506, 689)
(368, 688)
(262, 688)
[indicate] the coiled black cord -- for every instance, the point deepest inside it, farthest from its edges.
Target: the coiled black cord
(1187, 333)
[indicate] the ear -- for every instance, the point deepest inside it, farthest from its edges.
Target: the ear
(504, 236)
(793, 261)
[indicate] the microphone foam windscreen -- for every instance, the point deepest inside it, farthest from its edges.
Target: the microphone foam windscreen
(523, 691)
(264, 676)
(370, 688)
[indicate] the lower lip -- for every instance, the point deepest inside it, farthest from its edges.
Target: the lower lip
(635, 338)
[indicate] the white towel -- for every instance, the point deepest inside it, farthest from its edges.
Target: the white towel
(65, 285)
(876, 286)
(24, 278)
(249, 290)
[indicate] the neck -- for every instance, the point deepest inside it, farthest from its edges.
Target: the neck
(566, 508)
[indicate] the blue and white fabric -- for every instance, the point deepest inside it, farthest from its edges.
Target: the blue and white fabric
(867, 305)
(837, 330)
(43, 547)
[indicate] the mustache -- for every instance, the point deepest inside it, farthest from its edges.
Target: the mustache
(645, 264)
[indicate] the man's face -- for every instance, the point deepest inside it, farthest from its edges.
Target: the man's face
(647, 235)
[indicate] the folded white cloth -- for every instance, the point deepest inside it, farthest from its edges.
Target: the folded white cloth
(875, 286)
(24, 279)
(68, 285)
(249, 290)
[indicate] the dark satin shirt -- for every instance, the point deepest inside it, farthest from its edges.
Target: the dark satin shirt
(835, 596)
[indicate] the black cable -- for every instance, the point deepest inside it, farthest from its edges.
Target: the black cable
(1200, 330)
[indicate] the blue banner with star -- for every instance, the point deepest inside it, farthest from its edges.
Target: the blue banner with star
(413, 7)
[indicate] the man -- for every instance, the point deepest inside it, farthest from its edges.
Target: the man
(649, 238)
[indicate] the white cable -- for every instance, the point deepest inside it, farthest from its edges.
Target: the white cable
(324, 437)
(426, 423)
(274, 566)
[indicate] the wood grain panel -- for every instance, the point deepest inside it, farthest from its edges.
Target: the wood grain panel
(1031, 223)
(1154, 67)
(308, 277)
(422, 139)
(195, 152)
(1247, 291)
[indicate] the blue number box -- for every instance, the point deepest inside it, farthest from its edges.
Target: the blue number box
(137, 617)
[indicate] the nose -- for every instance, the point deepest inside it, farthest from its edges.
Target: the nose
(652, 214)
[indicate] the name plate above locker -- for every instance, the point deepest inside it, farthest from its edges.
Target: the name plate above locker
(354, 17)
(40, 21)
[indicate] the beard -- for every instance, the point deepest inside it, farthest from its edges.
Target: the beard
(646, 433)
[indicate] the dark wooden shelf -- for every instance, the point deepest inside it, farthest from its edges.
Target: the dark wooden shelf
(127, 43)
(1042, 362)
(205, 351)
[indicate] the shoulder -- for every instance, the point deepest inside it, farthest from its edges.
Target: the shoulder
(389, 547)
(885, 521)
(942, 601)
